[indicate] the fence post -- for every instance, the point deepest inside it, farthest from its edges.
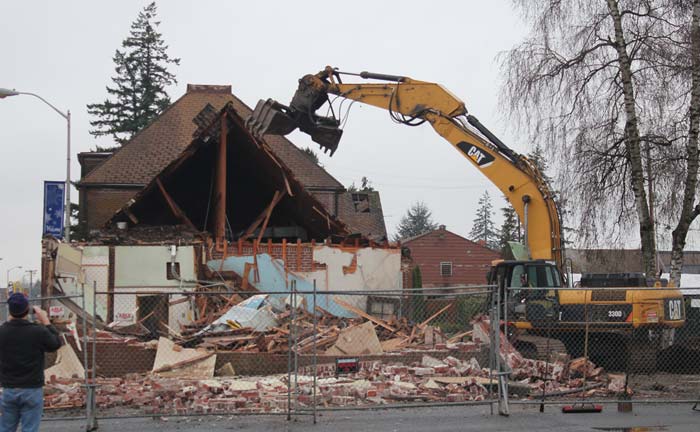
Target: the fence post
(507, 371)
(492, 350)
(314, 354)
(90, 384)
(296, 341)
(85, 358)
(496, 340)
(290, 338)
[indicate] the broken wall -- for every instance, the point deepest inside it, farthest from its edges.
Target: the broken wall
(144, 268)
(331, 268)
(95, 267)
(134, 269)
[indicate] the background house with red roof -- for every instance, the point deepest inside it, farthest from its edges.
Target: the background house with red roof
(447, 259)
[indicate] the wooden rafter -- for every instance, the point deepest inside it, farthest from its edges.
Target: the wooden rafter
(177, 211)
(264, 215)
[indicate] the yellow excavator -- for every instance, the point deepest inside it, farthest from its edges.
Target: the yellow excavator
(635, 315)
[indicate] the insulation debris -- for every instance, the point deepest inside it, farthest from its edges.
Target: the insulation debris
(255, 312)
(173, 360)
(67, 365)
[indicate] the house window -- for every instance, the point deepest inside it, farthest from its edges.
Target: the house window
(383, 307)
(361, 202)
(446, 268)
(172, 270)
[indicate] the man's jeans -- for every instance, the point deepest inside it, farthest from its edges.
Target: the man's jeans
(23, 405)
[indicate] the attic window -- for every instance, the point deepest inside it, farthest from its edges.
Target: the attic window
(446, 268)
(361, 202)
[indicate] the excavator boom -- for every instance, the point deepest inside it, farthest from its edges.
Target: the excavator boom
(414, 102)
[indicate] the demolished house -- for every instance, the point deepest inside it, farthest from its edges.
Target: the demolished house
(230, 212)
(258, 214)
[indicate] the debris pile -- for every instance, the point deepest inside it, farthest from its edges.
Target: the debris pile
(262, 323)
(376, 383)
(402, 362)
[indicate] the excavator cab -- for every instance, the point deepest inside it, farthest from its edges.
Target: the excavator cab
(523, 287)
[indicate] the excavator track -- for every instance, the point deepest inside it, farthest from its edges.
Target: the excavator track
(641, 357)
(536, 347)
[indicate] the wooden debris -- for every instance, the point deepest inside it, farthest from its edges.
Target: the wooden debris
(363, 314)
(433, 316)
(67, 365)
(226, 370)
(357, 340)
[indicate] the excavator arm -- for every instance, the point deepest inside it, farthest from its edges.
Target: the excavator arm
(414, 102)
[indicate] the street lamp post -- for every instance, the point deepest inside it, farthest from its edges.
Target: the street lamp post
(8, 274)
(7, 92)
(31, 280)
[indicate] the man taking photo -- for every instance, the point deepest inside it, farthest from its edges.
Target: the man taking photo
(22, 348)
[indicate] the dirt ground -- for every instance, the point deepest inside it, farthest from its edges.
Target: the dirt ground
(664, 385)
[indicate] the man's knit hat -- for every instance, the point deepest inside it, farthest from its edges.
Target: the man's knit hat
(18, 304)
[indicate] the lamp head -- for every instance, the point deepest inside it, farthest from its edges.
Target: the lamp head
(7, 92)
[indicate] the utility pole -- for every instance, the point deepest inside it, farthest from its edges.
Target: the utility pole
(31, 280)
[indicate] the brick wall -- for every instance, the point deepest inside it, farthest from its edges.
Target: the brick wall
(98, 205)
(470, 261)
(91, 160)
(297, 256)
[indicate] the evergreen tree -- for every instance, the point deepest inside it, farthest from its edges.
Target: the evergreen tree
(483, 229)
(510, 229)
(538, 158)
(418, 300)
(311, 155)
(417, 220)
(138, 94)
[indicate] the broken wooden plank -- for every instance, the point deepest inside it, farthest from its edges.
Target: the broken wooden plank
(363, 314)
(458, 337)
(393, 344)
(177, 361)
(127, 211)
(177, 211)
(357, 340)
(275, 199)
(433, 316)
(178, 301)
(261, 217)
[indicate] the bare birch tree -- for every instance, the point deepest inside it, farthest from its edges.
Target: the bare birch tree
(604, 85)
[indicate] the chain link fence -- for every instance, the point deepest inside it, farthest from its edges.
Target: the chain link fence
(181, 353)
(604, 345)
(287, 353)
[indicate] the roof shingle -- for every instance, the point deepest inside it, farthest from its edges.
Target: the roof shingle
(164, 139)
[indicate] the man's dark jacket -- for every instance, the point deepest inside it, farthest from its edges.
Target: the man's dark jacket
(22, 348)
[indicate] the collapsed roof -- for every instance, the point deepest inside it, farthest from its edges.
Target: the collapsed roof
(258, 186)
(134, 165)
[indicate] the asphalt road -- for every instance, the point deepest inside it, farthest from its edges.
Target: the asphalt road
(648, 418)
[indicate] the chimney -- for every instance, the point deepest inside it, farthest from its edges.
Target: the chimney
(195, 88)
(441, 227)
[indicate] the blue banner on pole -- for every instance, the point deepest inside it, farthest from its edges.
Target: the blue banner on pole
(54, 208)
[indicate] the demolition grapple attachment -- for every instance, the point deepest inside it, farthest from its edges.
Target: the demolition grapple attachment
(273, 118)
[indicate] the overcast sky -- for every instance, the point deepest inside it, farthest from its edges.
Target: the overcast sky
(63, 51)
